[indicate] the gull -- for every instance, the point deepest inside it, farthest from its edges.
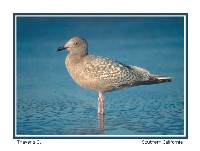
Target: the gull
(102, 74)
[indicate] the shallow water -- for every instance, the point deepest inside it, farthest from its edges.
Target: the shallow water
(49, 102)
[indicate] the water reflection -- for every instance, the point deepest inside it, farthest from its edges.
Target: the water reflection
(101, 123)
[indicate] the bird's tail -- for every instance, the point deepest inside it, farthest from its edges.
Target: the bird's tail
(155, 79)
(161, 78)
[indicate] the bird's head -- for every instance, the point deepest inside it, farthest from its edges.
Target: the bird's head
(75, 45)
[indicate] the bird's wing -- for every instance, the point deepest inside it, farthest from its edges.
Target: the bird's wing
(114, 72)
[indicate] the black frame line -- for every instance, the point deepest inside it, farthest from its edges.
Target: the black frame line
(102, 137)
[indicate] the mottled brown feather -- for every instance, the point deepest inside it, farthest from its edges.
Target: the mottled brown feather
(103, 74)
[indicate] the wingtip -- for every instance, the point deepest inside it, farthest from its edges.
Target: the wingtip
(165, 78)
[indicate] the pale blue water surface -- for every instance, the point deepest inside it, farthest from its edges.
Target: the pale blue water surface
(49, 102)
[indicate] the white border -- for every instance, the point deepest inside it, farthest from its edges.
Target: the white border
(78, 15)
(185, 74)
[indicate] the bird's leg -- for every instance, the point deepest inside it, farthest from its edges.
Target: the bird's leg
(102, 107)
(100, 104)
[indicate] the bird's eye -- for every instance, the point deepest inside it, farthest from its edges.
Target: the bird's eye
(75, 43)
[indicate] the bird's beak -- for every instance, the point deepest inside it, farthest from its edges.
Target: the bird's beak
(61, 48)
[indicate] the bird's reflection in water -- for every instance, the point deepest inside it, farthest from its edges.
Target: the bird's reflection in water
(101, 123)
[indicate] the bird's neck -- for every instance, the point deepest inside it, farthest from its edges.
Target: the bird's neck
(76, 57)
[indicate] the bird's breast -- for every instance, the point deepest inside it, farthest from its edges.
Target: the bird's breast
(73, 68)
(80, 76)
